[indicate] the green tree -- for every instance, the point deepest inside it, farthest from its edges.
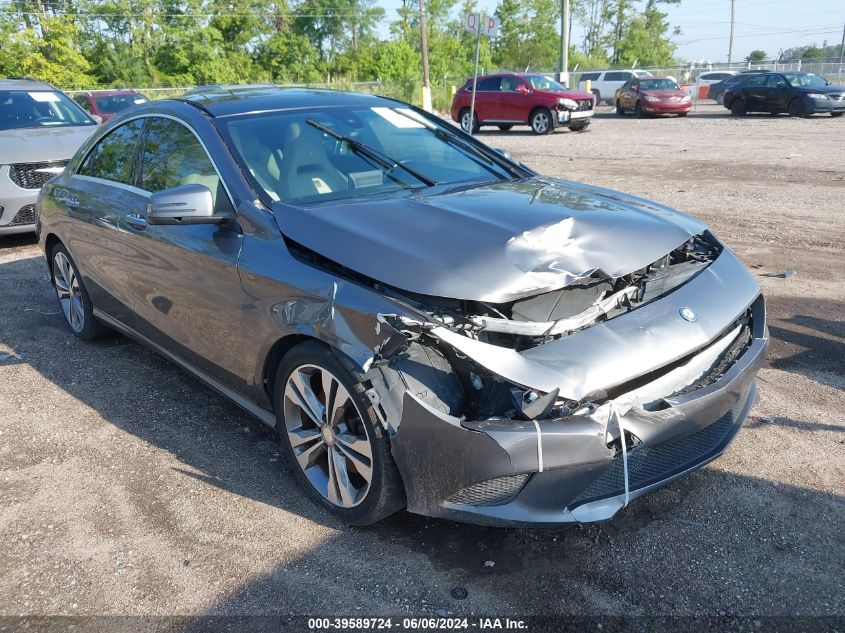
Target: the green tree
(756, 57)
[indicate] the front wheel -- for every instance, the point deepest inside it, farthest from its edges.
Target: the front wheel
(469, 123)
(541, 121)
(505, 128)
(620, 111)
(683, 113)
(73, 298)
(797, 108)
(836, 115)
(326, 429)
(638, 111)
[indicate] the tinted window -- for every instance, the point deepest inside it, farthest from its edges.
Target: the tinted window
(172, 156)
(488, 84)
(117, 103)
(658, 84)
(112, 158)
(618, 76)
(39, 108)
(775, 81)
(755, 82)
(590, 76)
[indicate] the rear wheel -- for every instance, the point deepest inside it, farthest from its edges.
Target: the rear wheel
(738, 107)
(683, 113)
(73, 298)
(797, 108)
(541, 121)
(327, 431)
(597, 96)
(720, 98)
(580, 126)
(505, 128)
(836, 114)
(465, 122)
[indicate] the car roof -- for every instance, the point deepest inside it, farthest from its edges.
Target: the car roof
(112, 93)
(24, 83)
(220, 101)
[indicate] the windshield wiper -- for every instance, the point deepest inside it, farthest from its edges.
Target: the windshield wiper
(385, 161)
(473, 152)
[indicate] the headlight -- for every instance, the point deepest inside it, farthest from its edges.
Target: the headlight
(816, 95)
(651, 98)
(685, 98)
(569, 104)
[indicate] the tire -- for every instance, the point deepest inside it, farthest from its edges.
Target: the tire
(836, 115)
(597, 95)
(345, 466)
(638, 111)
(505, 128)
(738, 107)
(797, 108)
(720, 98)
(683, 114)
(620, 111)
(541, 121)
(580, 126)
(464, 118)
(73, 298)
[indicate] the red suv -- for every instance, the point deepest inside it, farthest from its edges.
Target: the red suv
(107, 103)
(509, 99)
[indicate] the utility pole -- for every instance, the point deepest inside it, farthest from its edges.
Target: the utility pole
(731, 43)
(842, 48)
(426, 90)
(564, 41)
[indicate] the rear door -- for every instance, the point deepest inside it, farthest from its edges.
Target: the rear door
(100, 194)
(487, 98)
(755, 93)
(184, 278)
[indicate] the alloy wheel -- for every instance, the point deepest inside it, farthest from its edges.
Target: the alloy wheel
(540, 122)
(68, 291)
(329, 440)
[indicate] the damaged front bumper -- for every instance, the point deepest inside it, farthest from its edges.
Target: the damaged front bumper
(588, 465)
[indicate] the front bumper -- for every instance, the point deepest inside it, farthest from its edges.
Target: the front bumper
(666, 107)
(565, 117)
(17, 206)
(826, 105)
(560, 471)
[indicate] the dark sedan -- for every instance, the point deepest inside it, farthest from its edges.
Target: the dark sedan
(798, 93)
(424, 322)
(717, 90)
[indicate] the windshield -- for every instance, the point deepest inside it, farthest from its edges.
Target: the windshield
(117, 103)
(541, 82)
(39, 108)
(806, 80)
(385, 150)
(658, 84)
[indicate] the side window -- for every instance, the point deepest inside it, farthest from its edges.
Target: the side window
(508, 84)
(618, 76)
(589, 76)
(113, 157)
(172, 156)
(757, 81)
(489, 84)
(776, 81)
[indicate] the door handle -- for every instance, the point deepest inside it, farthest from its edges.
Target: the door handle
(136, 221)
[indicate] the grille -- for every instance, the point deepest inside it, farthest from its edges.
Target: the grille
(493, 492)
(649, 465)
(584, 104)
(34, 175)
(27, 215)
(837, 97)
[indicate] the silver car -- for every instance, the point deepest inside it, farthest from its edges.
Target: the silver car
(40, 129)
(424, 322)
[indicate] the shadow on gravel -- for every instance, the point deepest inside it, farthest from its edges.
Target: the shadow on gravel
(22, 239)
(711, 543)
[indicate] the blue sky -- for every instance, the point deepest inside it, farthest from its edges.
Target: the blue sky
(768, 25)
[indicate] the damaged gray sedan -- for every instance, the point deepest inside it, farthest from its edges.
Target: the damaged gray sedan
(425, 322)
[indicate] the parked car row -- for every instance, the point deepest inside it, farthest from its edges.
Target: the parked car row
(797, 93)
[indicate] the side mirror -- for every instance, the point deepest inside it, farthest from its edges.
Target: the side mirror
(188, 204)
(503, 152)
(523, 89)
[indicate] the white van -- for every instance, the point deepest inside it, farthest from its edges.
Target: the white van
(606, 82)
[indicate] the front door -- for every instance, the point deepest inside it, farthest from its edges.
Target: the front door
(184, 278)
(777, 93)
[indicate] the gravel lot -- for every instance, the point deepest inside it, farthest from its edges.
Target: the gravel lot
(129, 488)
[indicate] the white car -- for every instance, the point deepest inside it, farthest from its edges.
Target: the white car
(40, 130)
(605, 83)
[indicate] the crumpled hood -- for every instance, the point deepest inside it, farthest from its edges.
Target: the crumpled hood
(36, 145)
(494, 242)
